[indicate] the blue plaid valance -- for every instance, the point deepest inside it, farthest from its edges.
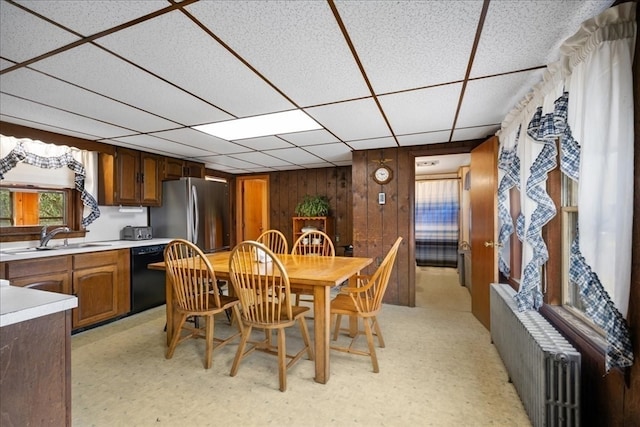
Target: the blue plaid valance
(19, 154)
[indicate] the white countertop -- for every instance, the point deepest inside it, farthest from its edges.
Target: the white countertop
(19, 304)
(106, 246)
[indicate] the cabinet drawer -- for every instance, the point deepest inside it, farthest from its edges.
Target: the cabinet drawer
(95, 259)
(27, 267)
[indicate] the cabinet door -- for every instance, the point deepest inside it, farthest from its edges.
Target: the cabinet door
(52, 282)
(172, 168)
(97, 292)
(128, 176)
(193, 169)
(151, 185)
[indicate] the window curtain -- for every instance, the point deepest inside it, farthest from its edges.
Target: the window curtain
(582, 109)
(436, 223)
(82, 164)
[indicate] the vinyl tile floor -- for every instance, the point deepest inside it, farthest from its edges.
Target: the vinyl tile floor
(438, 368)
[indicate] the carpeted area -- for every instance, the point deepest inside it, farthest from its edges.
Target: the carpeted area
(438, 369)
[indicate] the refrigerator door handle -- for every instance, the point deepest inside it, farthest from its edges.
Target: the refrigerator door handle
(196, 217)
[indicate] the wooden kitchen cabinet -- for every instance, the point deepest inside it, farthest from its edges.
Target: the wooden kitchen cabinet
(102, 285)
(100, 280)
(47, 274)
(129, 178)
(178, 168)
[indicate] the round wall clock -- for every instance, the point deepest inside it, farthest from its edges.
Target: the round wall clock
(383, 174)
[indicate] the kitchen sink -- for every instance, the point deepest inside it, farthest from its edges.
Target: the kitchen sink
(76, 246)
(25, 251)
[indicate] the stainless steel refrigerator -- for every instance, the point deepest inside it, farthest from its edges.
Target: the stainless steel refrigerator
(196, 210)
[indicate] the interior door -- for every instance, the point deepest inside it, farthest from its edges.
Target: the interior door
(253, 209)
(484, 221)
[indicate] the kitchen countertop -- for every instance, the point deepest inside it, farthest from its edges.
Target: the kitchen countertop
(19, 304)
(6, 253)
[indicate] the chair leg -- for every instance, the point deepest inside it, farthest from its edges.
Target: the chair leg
(240, 352)
(376, 326)
(305, 337)
(336, 331)
(282, 359)
(372, 347)
(176, 337)
(208, 357)
(237, 318)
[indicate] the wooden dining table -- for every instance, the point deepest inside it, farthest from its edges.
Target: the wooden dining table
(316, 273)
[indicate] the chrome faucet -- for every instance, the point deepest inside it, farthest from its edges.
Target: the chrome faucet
(45, 237)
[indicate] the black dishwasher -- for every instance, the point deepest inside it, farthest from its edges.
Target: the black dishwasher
(147, 286)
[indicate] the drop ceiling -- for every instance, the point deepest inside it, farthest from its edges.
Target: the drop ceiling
(373, 74)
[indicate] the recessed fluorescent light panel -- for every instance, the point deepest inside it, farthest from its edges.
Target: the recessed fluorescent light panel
(268, 124)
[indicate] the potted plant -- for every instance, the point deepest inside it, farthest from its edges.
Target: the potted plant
(313, 206)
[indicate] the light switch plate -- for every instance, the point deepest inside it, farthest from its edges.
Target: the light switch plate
(381, 198)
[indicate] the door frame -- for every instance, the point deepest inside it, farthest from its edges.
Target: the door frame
(240, 202)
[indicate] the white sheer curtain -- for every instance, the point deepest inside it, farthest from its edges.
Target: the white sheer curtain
(601, 119)
(586, 103)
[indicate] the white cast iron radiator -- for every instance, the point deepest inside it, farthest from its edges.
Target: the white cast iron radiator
(542, 365)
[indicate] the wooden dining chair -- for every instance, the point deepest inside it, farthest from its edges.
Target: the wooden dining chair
(264, 291)
(313, 242)
(274, 240)
(362, 298)
(196, 293)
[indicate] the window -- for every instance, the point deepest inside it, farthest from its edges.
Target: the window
(24, 210)
(571, 299)
(28, 207)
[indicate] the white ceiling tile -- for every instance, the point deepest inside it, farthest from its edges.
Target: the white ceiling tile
(408, 44)
(163, 145)
(227, 163)
(197, 139)
(24, 36)
(369, 144)
(448, 163)
(424, 110)
(261, 159)
(295, 155)
(264, 143)
(311, 137)
(296, 45)
(480, 132)
(173, 47)
(318, 165)
(49, 128)
(424, 138)
(91, 17)
(351, 120)
(5, 64)
(541, 26)
(294, 167)
(331, 152)
(38, 87)
(17, 107)
(487, 101)
(97, 70)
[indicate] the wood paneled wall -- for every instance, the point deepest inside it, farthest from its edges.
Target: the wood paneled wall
(359, 219)
(287, 188)
(375, 226)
